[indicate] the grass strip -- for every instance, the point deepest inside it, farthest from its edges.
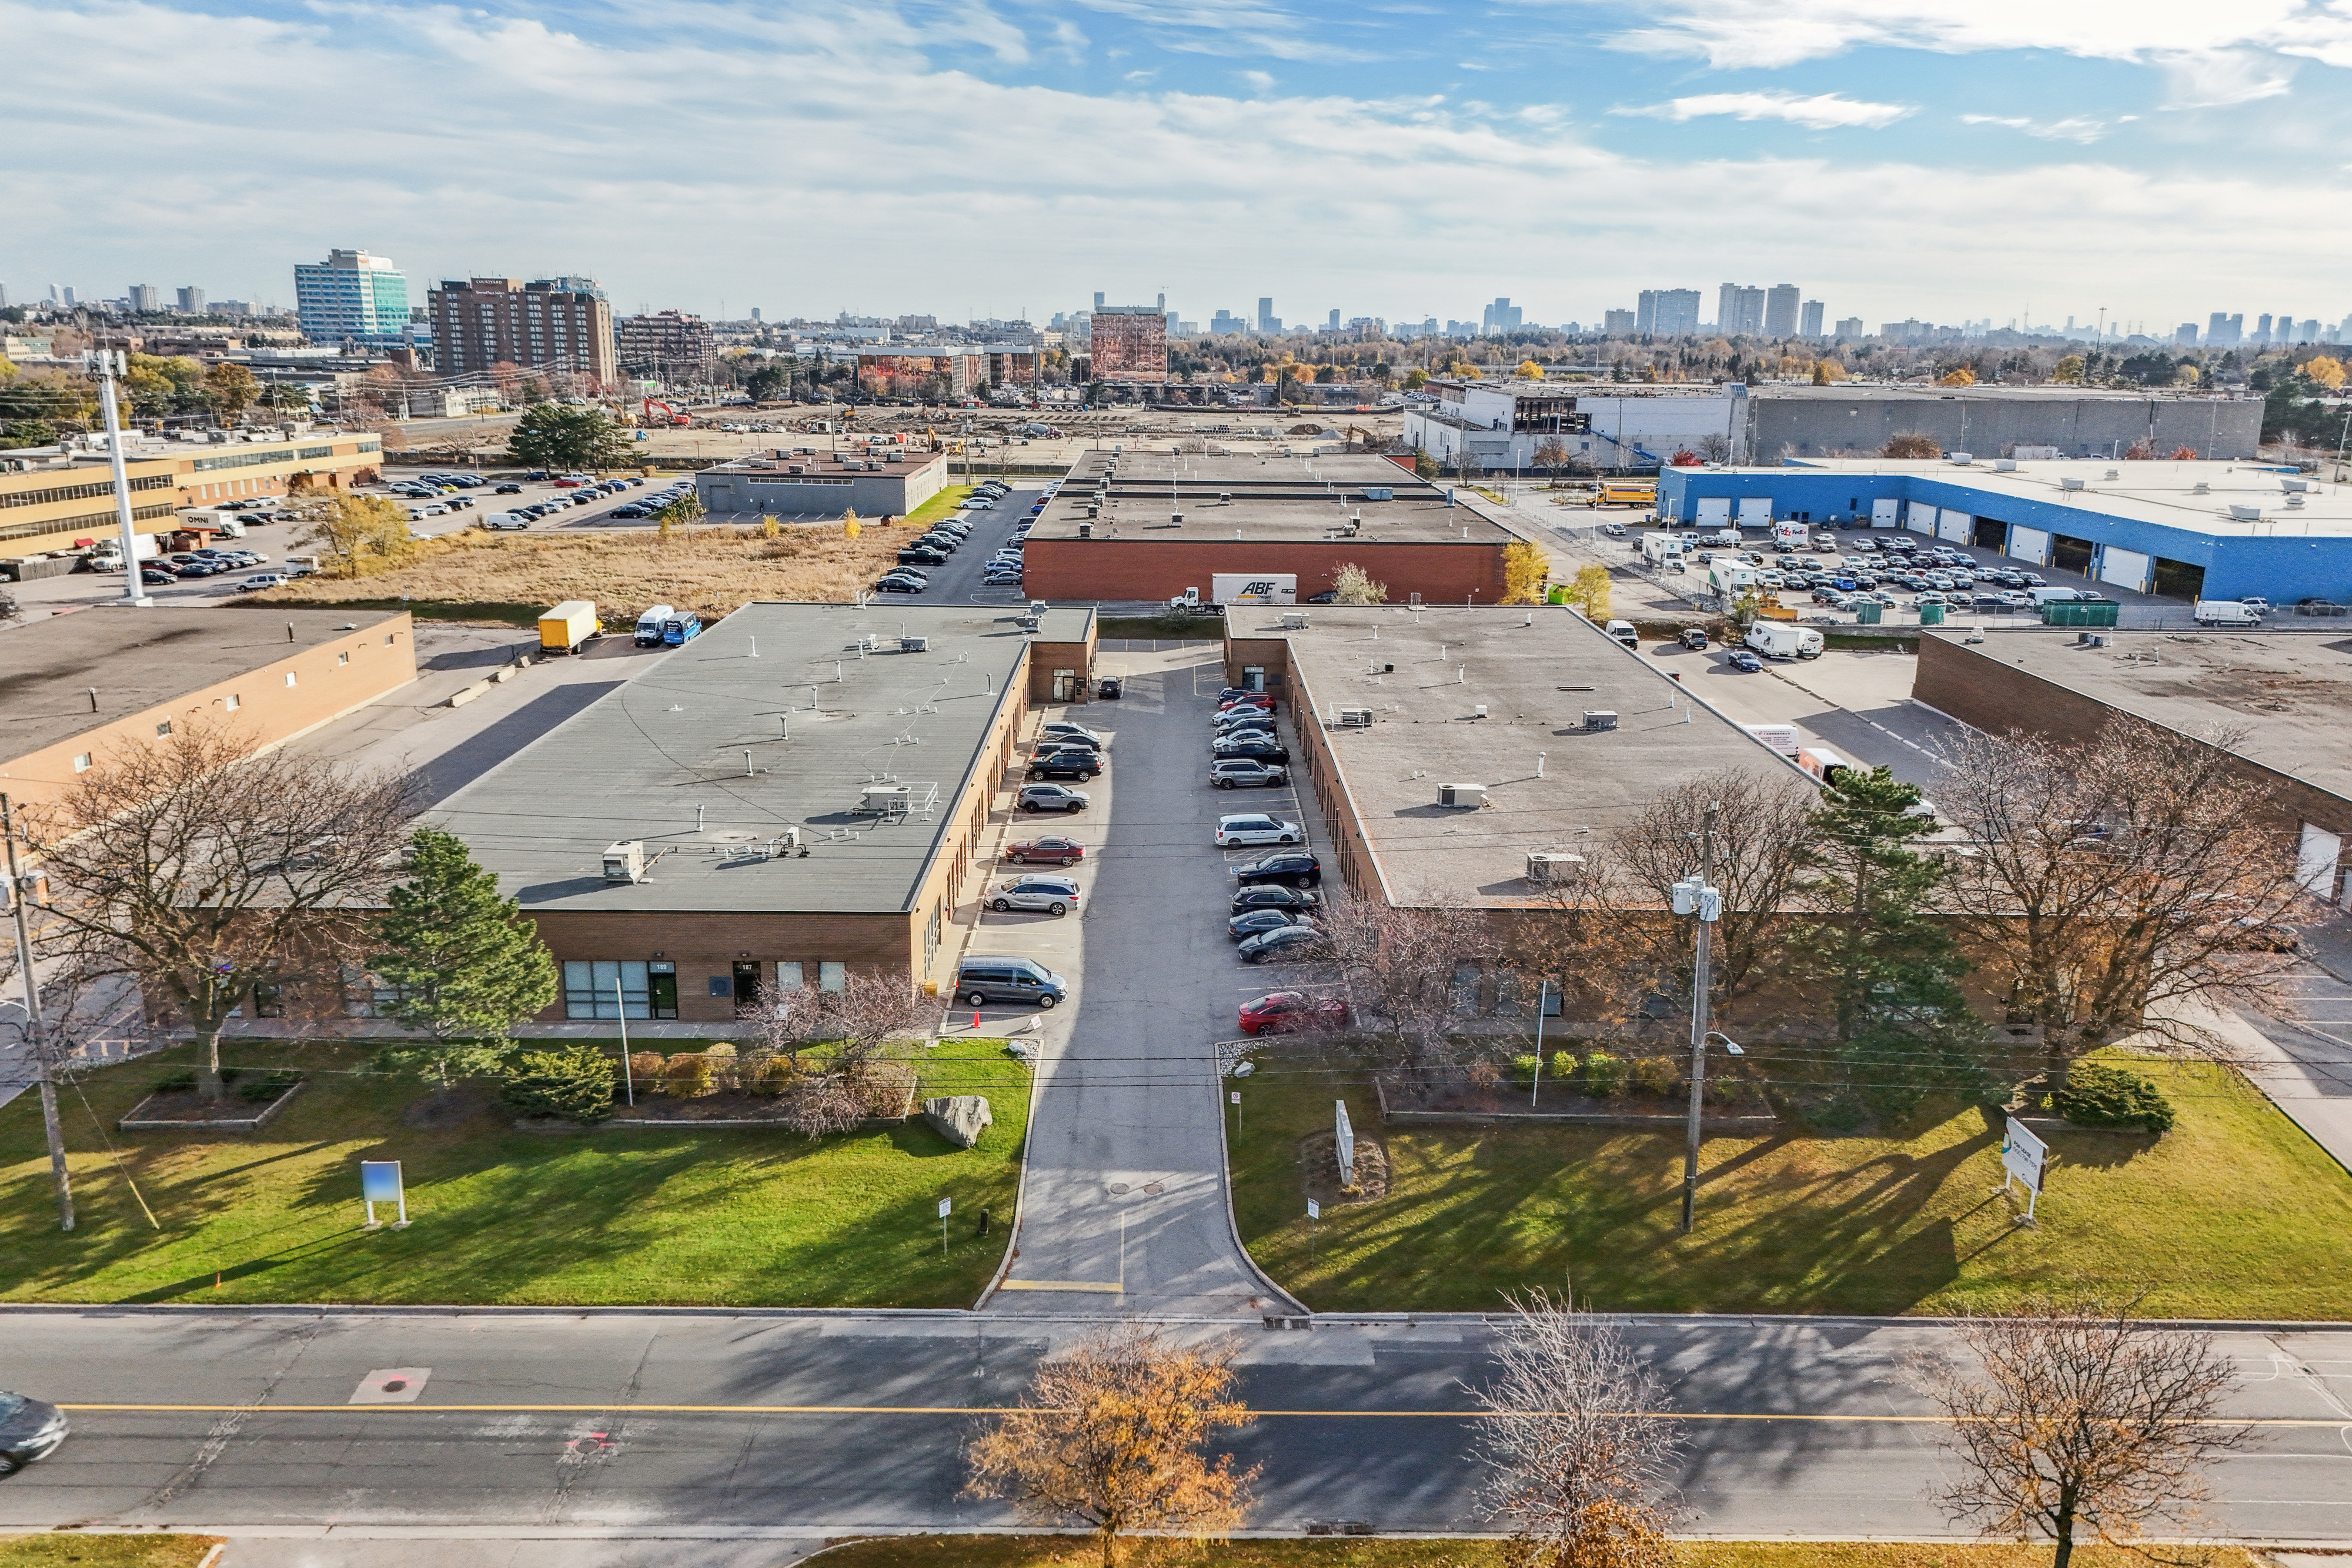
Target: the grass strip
(1360, 1552)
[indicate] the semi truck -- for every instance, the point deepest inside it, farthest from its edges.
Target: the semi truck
(1779, 640)
(1253, 587)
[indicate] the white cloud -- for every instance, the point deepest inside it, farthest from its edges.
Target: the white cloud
(2219, 78)
(1820, 112)
(1258, 79)
(2076, 128)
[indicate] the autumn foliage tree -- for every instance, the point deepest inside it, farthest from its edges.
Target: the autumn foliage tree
(1113, 1436)
(1525, 569)
(1911, 443)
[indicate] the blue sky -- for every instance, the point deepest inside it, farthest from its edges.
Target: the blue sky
(1892, 157)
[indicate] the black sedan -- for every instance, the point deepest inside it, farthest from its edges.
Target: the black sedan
(1265, 748)
(30, 1429)
(1295, 867)
(1288, 941)
(1273, 896)
(922, 555)
(897, 584)
(1255, 921)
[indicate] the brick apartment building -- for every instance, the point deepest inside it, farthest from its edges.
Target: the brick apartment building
(1129, 344)
(556, 324)
(667, 346)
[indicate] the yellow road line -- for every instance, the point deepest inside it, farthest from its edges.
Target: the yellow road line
(620, 1409)
(1110, 1289)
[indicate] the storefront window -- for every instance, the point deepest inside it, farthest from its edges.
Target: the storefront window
(603, 989)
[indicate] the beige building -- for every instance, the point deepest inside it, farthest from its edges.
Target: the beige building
(66, 502)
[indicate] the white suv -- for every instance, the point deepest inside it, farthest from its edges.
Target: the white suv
(1256, 828)
(1054, 895)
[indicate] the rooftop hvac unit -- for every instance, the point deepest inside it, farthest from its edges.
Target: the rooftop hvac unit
(1963, 459)
(2004, 464)
(1293, 621)
(625, 862)
(2069, 484)
(1548, 866)
(914, 644)
(891, 799)
(1353, 718)
(1094, 511)
(1463, 796)
(2245, 514)
(1175, 516)
(2200, 488)
(1600, 719)
(2294, 484)
(1086, 530)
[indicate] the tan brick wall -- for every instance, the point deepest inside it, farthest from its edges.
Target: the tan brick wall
(1126, 568)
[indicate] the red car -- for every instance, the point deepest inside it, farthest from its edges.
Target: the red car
(1046, 852)
(1253, 699)
(1286, 1012)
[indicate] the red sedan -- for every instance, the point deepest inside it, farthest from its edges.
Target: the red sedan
(1286, 1012)
(1046, 852)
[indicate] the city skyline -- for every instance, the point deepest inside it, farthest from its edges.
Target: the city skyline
(1904, 160)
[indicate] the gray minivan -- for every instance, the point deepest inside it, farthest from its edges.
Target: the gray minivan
(1023, 982)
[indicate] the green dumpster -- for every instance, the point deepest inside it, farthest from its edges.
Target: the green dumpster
(2098, 612)
(1868, 613)
(1931, 615)
(1558, 595)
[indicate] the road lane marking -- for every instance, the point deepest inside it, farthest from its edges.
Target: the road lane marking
(1691, 1415)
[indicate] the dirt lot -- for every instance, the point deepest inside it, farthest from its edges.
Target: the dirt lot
(709, 570)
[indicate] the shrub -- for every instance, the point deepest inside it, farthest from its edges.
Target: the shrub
(2101, 1096)
(575, 1084)
(1842, 1113)
(688, 1075)
(1523, 1068)
(646, 1071)
(1563, 1065)
(768, 1072)
(1722, 1090)
(1656, 1075)
(725, 1066)
(178, 1082)
(1605, 1075)
(267, 1087)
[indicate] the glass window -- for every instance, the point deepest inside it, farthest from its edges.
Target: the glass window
(234, 702)
(81, 762)
(788, 975)
(831, 976)
(603, 988)
(289, 677)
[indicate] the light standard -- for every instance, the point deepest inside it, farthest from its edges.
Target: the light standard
(110, 363)
(1694, 896)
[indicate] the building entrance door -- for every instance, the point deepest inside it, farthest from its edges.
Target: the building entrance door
(747, 987)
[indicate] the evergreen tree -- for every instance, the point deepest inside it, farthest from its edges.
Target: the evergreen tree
(463, 964)
(1890, 971)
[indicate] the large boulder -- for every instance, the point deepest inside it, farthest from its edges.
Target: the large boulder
(959, 1118)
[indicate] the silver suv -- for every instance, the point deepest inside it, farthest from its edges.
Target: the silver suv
(1242, 772)
(1051, 797)
(1054, 895)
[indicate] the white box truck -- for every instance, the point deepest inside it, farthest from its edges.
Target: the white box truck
(1793, 534)
(1662, 548)
(1729, 577)
(1253, 587)
(1779, 640)
(2227, 612)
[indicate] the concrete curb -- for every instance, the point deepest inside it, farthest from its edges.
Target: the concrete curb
(1232, 1227)
(1020, 1190)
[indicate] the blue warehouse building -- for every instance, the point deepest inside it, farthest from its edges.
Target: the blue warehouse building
(2184, 529)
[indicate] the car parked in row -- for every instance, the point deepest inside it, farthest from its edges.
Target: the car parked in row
(1046, 852)
(1295, 868)
(1243, 829)
(1285, 944)
(1052, 798)
(1245, 773)
(1288, 1012)
(1054, 895)
(1081, 765)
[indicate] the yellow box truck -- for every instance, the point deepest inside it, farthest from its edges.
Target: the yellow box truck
(568, 627)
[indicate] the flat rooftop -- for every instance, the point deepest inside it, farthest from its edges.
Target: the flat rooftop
(1536, 678)
(1269, 497)
(783, 689)
(2164, 493)
(786, 462)
(2287, 691)
(140, 659)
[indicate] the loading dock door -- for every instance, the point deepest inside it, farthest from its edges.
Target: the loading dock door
(1989, 533)
(1882, 514)
(1920, 518)
(1954, 527)
(2031, 545)
(2314, 862)
(2125, 568)
(1714, 509)
(1755, 511)
(2070, 554)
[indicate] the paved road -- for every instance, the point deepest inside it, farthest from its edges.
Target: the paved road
(1124, 1206)
(707, 1424)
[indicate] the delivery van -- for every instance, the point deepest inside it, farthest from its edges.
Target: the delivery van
(2227, 612)
(649, 625)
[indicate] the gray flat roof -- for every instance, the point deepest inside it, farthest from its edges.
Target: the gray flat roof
(1536, 676)
(2288, 691)
(786, 684)
(140, 659)
(2196, 496)
(1269, 497)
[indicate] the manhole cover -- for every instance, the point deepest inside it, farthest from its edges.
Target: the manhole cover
(1117, 1188)
(1155, 1187)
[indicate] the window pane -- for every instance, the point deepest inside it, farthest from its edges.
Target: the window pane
(579, 992)
(832, 977)
(788, 977)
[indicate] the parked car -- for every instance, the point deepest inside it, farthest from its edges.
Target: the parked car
(1081, 765)
(1046, 852)
(1064, 730)
(507, 490)
(30, 1431)
(1285, 945)
(261, 580)
(1273, 896)
(1054, 895)
(1023, 982)
(894, 583)
(156, 577)
(1250, 922)
(1247, 773)
(1265, 748)
(1693, 638)
(1243, 827)
(1745, 661)
(1052, 798)
(1297, 867)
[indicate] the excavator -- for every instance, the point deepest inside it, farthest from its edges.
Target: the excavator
(666, 415)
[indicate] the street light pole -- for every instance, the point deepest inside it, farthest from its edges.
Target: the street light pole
(20, 889)
(1696, 897)
(134, 587)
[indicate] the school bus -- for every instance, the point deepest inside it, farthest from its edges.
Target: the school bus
(1629, 492)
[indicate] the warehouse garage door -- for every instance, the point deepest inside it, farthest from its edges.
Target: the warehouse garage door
(2125, 568)
(1991, 533)
(2071, 554)
(1921, 517)
(2180, 579)
(1714, 509)
(2030, 545)
(2314, 861)
(1955, 526)
(1882, 514)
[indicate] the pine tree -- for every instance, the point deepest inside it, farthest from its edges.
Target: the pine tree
(462, 962)
(1890, 971)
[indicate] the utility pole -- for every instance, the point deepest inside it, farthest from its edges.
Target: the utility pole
(1694, 896)
(20, 894)
(134, 586)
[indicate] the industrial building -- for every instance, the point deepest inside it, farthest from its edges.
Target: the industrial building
(555, 324)
(1454, 750)
(2280, 695)
(1153, 526)
(75, 689)
(803, 485)
(796, 794)
(2182, 530)
(1502, 424)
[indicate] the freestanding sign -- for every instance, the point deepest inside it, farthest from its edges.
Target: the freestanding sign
(380, 1183)
(2023, 1156)
(1347, 1141)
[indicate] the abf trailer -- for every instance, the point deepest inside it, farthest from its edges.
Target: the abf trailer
(1258, 587)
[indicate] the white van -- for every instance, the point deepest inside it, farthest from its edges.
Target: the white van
(649, 625)
(1623, 632)
(2227, 612)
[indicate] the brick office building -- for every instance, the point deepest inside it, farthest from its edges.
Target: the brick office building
(667, 346)
(1147, 526)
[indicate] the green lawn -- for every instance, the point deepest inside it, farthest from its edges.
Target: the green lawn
(1077, 1552)
(939, 506)
(2234, 1213)
(725, 1216)
(105, 1550)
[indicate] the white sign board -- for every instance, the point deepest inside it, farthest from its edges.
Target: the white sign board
(1314, 1210)
(1259, 588)
(1347, 1139)
(947, 1207)
(2023, 1156)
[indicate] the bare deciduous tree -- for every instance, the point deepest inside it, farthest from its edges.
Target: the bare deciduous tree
(1112, 1434)
(834, 1090)
(1397, 963)
(2108, 884)
(200, 868)
(1579, 1442)
(2077, 1420)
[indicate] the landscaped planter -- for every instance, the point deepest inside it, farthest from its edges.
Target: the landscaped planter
(1506, 1103)
(188, 1111)
(688, 1114)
